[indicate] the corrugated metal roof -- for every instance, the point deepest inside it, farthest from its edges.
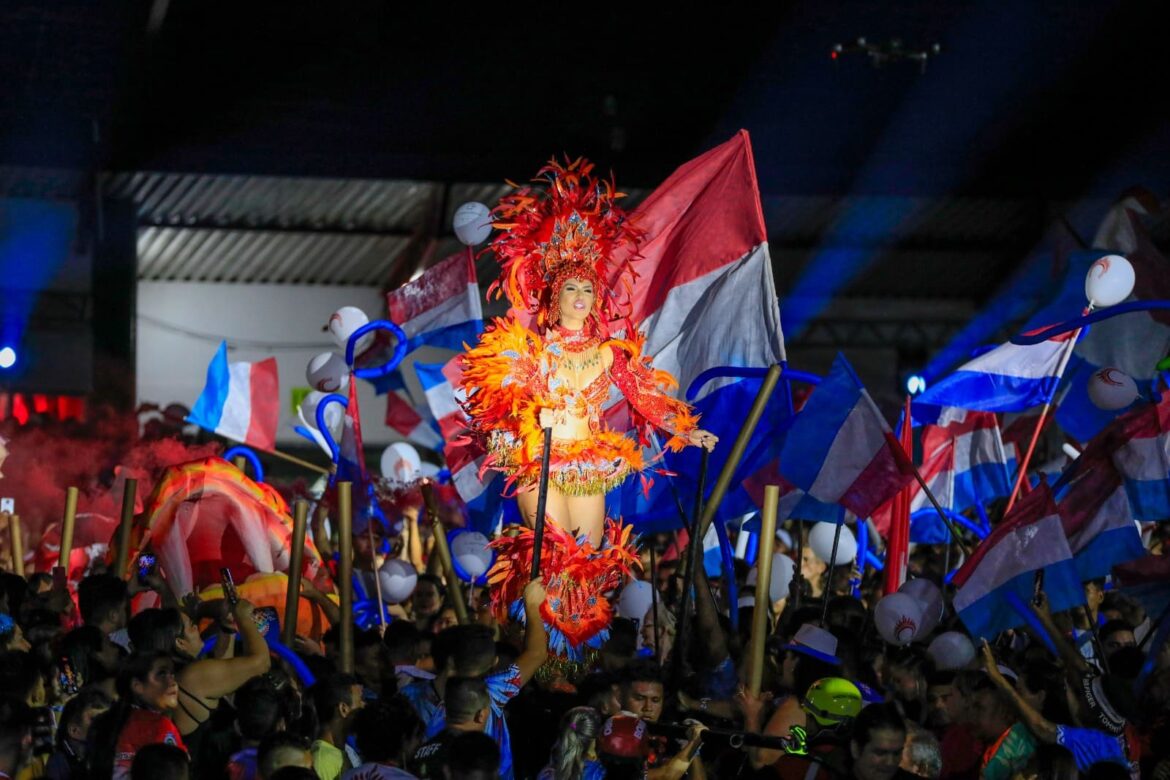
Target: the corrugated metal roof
(288, 257)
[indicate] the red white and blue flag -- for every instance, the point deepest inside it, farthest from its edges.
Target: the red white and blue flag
(1097, 520)
(981, 465)
(1002, 570)
(938, 471)
(240, 401)
(416, 426)
(441, 384)
(838, 448)
(441, 308)
(705, 298)
(1009, 378)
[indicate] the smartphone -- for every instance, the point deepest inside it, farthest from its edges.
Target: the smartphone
(229, 587)
(147, 564)
(267, 620)
(69, 682)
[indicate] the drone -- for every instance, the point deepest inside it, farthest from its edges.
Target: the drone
(881, 53)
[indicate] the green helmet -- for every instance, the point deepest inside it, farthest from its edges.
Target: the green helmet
(832, 701)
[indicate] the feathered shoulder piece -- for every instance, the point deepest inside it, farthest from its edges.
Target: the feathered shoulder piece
(568, 226)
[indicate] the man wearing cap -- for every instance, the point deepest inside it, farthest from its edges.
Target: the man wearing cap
(810, 656)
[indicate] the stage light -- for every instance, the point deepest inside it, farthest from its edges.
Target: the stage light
(915, 384)
(7, 357)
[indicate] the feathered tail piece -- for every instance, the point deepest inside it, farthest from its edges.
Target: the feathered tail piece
(577, 578)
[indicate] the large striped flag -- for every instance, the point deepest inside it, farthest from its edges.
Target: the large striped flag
(981, 466)
(416, 426)
(838, 449)
(1009, 378)
(705, 298)
(1138, 446)
(240, 401)
(441, 308)
(1002, 570)
(1097, 520)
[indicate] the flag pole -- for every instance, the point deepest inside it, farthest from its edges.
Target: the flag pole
(832, 564)
(1044, 410)
(760, 621)
(691, 562)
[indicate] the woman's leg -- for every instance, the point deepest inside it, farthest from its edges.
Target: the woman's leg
(578, 514)
(554, 507)
(587, 516)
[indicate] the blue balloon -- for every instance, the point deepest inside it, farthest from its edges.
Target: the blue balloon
(376, 372)
(250, 455)
(332, 398)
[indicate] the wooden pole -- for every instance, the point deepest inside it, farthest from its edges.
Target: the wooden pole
(444, 552)
(345, 571)
(761, 624)
(67, 528)
(296, 560)
(290, 458)
(17, 544)
(541, 504)
(654, 600)
(241, 463)
(738, 449)
(125, 525)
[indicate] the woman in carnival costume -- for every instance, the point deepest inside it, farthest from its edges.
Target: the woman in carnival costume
(567, 256)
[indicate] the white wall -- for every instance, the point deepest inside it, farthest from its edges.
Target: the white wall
(180, 325)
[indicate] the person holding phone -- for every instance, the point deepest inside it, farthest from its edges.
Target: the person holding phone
(203, 682)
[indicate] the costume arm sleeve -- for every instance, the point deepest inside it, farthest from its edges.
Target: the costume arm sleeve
(648, 391)
(501, 376)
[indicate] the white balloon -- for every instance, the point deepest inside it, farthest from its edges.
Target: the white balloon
(328, 373)
(636, 600)
(897, 618)
(333, 412)
(1112, 389)
(951, 650)
(1109, 281)
(820, 539)
(398, 580)
(472, 223)
(927, 594)
(470, 548)
(401, 463)
(342, 324)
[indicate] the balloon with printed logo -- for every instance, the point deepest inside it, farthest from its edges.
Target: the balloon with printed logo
(897, 618)
(1112, 389)
(342, 324)
(930, 597)
(328, 373)
(400, 463)
(1109, 281)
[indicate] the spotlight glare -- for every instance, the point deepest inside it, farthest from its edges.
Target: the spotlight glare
(915, 384)
(7, 357)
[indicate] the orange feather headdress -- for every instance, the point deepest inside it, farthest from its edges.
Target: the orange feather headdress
(570, 228)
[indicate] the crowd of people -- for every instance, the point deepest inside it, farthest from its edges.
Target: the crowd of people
(92, 688)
